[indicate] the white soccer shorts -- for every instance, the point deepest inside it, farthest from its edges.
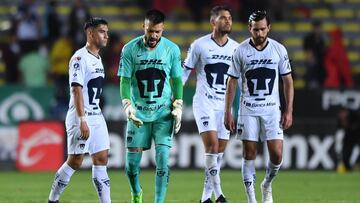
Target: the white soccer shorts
(97, 141)
(211, 120)
(264, 127)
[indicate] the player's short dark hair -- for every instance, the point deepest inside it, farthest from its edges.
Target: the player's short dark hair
(214, 12)
(257, 16)
(155, 16)
(94, 22)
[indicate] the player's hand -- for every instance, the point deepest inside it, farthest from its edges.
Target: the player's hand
(286, 120)
(84, 130)
(229, 122)
(130, 113)
(177, 113)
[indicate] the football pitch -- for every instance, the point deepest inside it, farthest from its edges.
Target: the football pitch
(185, 187)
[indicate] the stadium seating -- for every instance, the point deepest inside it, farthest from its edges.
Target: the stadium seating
(125, 18)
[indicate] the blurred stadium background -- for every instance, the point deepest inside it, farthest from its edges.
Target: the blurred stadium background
(38, 37)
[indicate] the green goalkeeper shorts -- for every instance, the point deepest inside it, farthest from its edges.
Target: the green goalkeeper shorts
(160, 130)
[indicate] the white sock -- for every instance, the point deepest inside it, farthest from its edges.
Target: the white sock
(271, 171)
(219, 162)
(248, 174)
(208, 189)
(61, 180)
(102, 183)
(211, 161)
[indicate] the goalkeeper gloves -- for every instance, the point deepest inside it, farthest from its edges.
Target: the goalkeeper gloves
(130, 113)
(177, 113)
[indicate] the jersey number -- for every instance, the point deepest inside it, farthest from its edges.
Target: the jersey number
(260, 82)
(150, 80)
(215, 76)
(94, 91)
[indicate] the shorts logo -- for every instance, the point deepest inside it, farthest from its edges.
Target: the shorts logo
(129, 139)
(206, 123)
(205, 118)
(131, 132)
(240, 131)
(82, 146)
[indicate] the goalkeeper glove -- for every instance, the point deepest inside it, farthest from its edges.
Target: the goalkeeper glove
(130, 113)
(177, 113)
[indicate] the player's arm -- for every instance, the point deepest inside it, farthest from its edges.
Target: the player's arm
(190, 61)
(177, 87)
(79, 106)
(229, 99)
(125, 83)
(186, 74)
(288, 87)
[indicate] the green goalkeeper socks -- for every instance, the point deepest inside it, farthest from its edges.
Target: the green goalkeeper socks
(132, 170)
(162, 172)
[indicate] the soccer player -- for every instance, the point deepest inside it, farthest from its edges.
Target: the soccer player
(151, 90)
(258, 63)
(210, 56)
(85, 125)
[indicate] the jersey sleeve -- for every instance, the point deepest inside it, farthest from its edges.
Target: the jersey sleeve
(192, 56)
(125, 64)
(77, 67)
(284, 63)
(235, 67)
(176, 69)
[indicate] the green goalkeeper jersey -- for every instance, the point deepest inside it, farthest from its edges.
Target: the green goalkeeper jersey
(150, 72)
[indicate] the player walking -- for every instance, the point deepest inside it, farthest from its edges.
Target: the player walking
(210, 56)
(258, 63)
(85, 125)
(148, 65)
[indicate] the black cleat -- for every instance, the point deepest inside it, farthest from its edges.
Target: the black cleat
(206, 201)
(221, 199)
(57, 201)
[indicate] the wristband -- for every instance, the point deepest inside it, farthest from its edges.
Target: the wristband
(82, 119)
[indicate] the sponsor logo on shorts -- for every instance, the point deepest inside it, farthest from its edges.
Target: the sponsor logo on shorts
(205, 118)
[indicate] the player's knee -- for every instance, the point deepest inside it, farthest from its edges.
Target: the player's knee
(162, 156)
(276, 159)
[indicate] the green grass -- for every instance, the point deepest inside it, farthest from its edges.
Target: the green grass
(185, 187)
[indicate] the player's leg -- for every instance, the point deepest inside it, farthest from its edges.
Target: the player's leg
(76, 148)
(137, 139)
(206, 123)
(100, 176)
(162, 131)
(212, 179)
(222, 145)
(248, 130)
(63, 175)
(274, 136)
(223, 136)
(162, 172)
(99, 145)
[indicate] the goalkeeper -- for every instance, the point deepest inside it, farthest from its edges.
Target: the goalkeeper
(151, 90)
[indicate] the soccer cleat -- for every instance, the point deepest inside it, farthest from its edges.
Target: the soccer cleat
(136, 198)
(57, 201)
(221, 199)
(206, 201)
(266, 193)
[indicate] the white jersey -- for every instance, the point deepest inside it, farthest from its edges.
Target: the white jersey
(258, 73)
(86, 70)
(211, 62)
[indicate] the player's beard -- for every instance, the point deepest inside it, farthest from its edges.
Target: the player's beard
(151, 42)
(259, 40)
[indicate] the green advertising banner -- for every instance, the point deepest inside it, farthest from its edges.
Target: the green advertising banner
(18, 103)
